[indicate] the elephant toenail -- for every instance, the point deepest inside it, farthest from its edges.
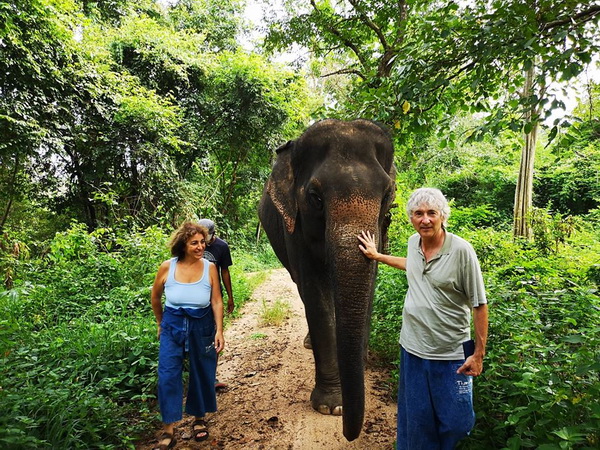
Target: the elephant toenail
(324, 409)
(337, 411)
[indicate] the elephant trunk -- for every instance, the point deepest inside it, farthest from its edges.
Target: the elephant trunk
(354, 278)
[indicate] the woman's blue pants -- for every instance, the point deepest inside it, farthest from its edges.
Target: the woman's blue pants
(181, 335)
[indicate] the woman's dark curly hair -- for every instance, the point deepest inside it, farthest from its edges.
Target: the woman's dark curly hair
(182, 235)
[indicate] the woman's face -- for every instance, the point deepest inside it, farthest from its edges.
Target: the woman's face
(195, 245)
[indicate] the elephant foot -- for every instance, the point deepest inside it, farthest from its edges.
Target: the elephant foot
(327, 402)
(307, 341)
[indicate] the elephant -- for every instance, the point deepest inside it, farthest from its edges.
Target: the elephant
(335, 180)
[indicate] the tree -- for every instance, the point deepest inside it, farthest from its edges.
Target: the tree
(219, 21)
(37, 62)
(123, 113)
(417, 66)
(235, 109)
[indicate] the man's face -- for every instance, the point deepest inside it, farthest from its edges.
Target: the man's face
(427, 221)
(211, 238)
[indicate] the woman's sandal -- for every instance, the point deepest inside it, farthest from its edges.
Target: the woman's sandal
(163, 437)
(199, 428)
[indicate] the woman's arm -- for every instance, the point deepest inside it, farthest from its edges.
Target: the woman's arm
(157, 291)
(216, 301)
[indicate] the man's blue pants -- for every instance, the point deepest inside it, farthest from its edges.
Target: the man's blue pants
(435, 404)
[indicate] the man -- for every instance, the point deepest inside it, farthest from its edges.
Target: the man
(217, 252)
(437, 361)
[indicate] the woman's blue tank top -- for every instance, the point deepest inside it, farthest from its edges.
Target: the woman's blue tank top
(187, 295)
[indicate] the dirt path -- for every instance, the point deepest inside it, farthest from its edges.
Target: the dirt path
(270, 376)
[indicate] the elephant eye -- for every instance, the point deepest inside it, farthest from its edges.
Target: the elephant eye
(386, 203)
(315, 200)
(386, 199)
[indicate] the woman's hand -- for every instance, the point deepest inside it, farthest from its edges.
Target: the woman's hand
(219, 342)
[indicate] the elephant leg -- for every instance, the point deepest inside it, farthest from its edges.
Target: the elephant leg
(307, 341)
(326, 396)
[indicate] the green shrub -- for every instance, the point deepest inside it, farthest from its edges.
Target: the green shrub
(386, 318)
(78, 347)
(475, 217)
(73, 385)
(541, 385)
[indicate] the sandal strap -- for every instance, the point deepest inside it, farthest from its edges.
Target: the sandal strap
(200, 430)
(162, 437)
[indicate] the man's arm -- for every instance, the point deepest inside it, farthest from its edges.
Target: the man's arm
(369, 249)
(226, 276)
(474, 363)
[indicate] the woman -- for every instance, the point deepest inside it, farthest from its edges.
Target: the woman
(190, 324)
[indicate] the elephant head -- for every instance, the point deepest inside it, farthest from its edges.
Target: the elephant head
(334, 181)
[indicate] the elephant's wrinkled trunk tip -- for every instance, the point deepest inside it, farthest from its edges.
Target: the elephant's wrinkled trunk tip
(352, 430)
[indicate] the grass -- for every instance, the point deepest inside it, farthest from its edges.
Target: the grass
(275, 314)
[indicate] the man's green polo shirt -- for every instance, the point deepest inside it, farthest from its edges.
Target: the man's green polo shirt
(436, 318)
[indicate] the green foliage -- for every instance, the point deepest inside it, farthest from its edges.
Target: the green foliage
(475, 217)
(256, 259)
(78, 348)
(386, 318)
(219, 21)
(418, 66)
(551, 230)
(542, 365)
(481, 175)
(569, 182)
(82, 381)
(124, 114)
(37, 71)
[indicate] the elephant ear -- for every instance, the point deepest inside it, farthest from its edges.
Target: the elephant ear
(280, 186)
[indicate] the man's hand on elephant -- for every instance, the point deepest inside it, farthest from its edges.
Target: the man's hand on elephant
(368, 247)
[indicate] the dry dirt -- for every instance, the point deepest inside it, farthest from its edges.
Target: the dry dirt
(270, 377)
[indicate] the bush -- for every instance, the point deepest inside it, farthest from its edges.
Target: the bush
(541, 385)
(81, 383)
(78, 347)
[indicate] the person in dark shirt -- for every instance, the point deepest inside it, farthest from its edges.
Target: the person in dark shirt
(217, 251)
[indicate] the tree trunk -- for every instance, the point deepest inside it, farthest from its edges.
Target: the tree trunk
(11, 193)
(524, 190)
